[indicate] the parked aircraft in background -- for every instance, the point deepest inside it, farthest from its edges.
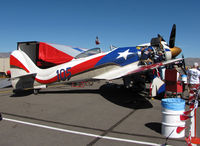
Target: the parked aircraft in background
(36, 65)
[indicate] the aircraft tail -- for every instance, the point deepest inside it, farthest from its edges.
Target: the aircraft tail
(23, 70)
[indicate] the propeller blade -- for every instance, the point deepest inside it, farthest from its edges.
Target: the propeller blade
(172, 36)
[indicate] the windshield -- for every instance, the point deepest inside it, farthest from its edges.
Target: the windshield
(89, 53)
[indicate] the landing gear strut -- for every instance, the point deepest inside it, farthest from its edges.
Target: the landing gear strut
(136, 82)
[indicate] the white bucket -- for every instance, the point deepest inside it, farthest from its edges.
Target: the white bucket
(172, 108)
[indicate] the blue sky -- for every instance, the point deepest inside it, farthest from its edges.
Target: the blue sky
(116, 22)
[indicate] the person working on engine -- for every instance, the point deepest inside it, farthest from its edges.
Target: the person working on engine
(146, 57)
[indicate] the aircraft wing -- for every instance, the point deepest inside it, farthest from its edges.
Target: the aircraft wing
(153, 66)
(119, 72)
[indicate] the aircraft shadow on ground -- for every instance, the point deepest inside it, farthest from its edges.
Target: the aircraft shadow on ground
(112, 92)
(74, 91)
(155, 126)
(124, 97)
(22, 93)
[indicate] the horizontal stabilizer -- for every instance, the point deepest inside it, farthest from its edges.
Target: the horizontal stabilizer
(29, 75)
(5, 83)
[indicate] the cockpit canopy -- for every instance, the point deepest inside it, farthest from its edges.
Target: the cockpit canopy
(89, 52)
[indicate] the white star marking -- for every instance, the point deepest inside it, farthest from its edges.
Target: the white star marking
(124, 54)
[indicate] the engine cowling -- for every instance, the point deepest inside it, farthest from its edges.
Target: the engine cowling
(168, 54)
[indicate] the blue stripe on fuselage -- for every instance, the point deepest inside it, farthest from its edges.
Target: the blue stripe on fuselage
(114, 56)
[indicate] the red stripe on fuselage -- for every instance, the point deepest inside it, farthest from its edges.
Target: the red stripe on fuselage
(74, 70)
(15, 62)
(85, 65)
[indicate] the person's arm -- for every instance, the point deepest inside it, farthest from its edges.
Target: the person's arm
(188, 76)
(199, 77)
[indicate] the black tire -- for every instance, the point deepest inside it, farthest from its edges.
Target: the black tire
(36, 91)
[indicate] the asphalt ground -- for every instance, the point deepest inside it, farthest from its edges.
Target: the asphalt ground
(100, 115)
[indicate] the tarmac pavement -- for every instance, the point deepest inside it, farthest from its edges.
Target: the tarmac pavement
(98, 115)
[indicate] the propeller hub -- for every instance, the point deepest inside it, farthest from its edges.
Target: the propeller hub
(175, 51)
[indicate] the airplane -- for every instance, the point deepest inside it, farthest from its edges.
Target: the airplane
(91, 65)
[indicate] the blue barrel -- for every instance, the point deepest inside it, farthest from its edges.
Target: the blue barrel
(175, 104)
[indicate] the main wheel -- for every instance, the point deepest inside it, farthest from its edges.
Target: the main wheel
(36, 91)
